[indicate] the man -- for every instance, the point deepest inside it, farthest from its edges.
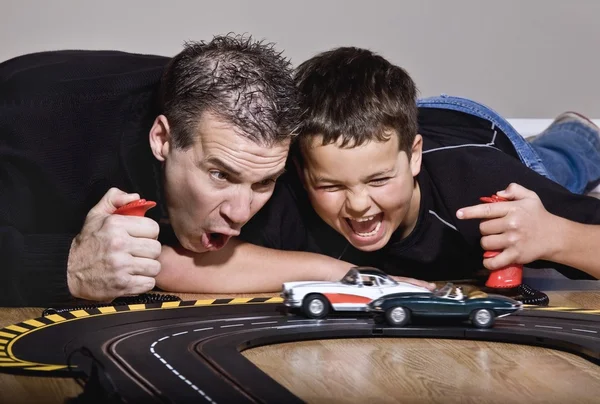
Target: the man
(204, 134)
(387, 181)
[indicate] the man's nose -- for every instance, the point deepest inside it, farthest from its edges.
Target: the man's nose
(237, 209)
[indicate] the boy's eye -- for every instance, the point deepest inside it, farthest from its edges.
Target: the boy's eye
(329, 188)
(218, 175)
(379, 181)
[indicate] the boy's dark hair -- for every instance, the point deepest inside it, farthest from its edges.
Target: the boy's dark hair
(355, 95)
(239, 81)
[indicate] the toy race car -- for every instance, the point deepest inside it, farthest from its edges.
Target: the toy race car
(479, 307)
(358, 287)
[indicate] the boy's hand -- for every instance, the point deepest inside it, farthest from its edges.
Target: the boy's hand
(521, 228)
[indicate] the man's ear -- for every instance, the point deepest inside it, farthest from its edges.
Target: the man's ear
(160, 138)
(416, 155)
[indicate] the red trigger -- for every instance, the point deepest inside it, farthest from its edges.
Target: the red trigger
(135, 208)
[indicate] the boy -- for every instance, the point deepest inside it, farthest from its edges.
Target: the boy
(378, 180)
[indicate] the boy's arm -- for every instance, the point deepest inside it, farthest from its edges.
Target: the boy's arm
(525, 232)
(241, 267)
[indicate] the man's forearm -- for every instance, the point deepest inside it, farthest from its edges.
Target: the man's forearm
(577, 246)
(243, 268)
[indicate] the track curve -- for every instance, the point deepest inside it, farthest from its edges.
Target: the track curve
(179, 352)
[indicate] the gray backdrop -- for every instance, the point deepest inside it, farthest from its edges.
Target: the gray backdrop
(524, 58)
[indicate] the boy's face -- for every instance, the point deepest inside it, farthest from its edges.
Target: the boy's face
(366, 193)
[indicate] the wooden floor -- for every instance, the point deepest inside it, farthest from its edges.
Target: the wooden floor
(427, 370)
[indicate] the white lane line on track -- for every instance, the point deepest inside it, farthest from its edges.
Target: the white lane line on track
(231, 325)
(582, 330)
(343, 319)
(264, 322)
(241, 318)
(173, 370)
(549, 326)
(283, 327)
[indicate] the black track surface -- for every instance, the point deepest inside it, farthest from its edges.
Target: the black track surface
(192, 354)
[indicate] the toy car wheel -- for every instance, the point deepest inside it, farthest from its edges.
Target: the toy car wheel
(482, 318)
(315, 306)
(397, 316)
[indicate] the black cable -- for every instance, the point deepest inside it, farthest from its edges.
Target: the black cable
(529, 295)
(95, 389)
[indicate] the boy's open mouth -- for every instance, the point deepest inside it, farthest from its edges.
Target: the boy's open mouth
(367, 226)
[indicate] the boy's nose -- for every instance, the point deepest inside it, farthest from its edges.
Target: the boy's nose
(358, 202)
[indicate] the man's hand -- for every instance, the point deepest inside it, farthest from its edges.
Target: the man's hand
(113, 255)
(416, 282)
(521, 228)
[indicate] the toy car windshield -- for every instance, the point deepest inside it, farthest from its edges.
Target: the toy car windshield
(444, 291)
(352, 277)
(367, 276)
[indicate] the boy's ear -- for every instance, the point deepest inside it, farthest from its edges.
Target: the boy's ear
(416, 155)
(160, 138)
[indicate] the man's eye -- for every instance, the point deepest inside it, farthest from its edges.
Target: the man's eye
(218, 175)
(266, 183)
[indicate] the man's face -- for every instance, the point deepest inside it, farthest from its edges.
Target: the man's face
(366, 192)
(215, 186)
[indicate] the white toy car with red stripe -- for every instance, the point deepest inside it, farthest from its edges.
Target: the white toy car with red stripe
(361, 285)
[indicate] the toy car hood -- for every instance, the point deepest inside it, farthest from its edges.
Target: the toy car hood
(289, 285)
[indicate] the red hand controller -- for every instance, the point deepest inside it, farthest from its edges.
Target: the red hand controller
(135, 208)
(510, 276)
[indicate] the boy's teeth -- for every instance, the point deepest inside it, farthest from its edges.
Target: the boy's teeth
(366, 226)
(371, 233)
(364, 219)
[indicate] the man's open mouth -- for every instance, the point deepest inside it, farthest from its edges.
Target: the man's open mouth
(214, 241)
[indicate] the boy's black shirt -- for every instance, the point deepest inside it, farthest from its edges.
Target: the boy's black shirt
(464, 157)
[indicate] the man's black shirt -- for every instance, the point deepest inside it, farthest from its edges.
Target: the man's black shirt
(72, 125)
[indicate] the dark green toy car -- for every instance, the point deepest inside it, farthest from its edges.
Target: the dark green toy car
(480, 308)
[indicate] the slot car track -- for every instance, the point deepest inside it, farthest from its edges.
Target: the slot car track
(190, 351)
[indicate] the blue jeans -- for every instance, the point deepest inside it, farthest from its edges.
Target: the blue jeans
(568, 153)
